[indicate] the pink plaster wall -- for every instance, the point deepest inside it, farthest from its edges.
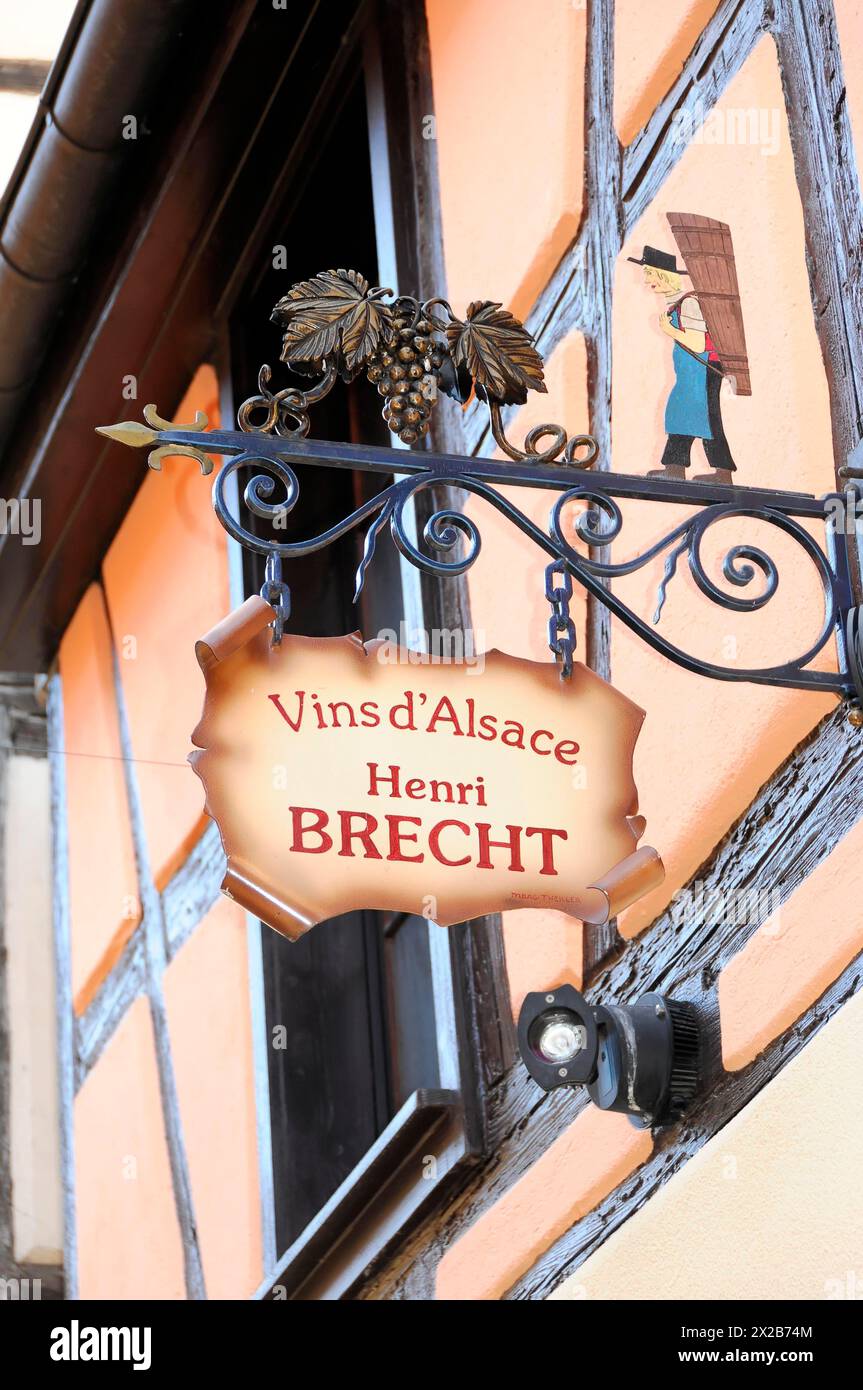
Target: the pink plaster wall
(651, 44)
(207, 998)
(794, 956)
(586, 1162)
(166, 579)
(509, 107)
(104, 903)
(128, 1235)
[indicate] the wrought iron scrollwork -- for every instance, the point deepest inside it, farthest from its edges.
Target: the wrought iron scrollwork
(451, 542)
(740, 567)
(336, 326)
(441, 533)
(258, 490)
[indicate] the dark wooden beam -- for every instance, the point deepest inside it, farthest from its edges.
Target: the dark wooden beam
(717, 56)
(810, 61)
(600, 244)
(790, 828)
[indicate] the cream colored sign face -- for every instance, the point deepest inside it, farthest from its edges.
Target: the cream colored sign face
(347, 776)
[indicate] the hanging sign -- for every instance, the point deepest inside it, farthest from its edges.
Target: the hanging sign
(344, 775)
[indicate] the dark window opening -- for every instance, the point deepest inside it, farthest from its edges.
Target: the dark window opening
(354, 994)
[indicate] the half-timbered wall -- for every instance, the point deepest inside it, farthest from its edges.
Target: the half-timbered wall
(565, 133)
(162, 1174)
(559, 134)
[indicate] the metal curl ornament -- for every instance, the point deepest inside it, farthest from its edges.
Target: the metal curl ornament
(281, 406)
(255, 495)
(413, 350)
(561, 444)
(739, 565)
(442, 531)
(737, 570)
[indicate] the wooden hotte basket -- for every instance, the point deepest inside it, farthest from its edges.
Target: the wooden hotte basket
(708, 254)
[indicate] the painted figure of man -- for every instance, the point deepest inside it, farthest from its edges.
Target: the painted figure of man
(692, 410)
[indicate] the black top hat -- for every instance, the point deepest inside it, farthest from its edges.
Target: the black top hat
(660, 260)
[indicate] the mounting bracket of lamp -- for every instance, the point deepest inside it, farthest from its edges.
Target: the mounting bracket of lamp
(335, 326)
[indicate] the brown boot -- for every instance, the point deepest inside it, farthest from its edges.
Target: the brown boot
(714, 475)
(675, 471)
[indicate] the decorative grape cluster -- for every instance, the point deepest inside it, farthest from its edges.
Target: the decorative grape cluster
(337, 324)
(406, 372)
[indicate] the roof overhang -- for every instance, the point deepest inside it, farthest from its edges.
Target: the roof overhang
(133, 254)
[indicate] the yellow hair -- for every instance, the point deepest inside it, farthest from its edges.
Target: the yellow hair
(668, 279)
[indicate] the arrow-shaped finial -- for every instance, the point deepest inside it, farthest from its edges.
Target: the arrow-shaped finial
(129, 432)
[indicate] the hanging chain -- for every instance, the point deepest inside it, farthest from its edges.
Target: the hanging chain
(561, 628)
(277, 594)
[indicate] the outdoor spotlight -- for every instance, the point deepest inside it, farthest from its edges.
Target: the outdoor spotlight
(641, 1059)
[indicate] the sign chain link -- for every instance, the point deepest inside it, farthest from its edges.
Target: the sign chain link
(276, 592)
(561, 628)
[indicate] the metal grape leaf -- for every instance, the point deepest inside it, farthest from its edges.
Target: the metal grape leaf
(498, 352)
(455, 382)
(333, 314)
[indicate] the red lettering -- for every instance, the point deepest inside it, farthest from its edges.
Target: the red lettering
(513, 844)
(513, 734)
(363, 833)
(547, 839)
(408, 706)
(444, 712)
(434, 843)
(335, 706)
(369, 711)
(397, 835)
(300, 694)
(375, 778)
(545, 733)
(301, 831)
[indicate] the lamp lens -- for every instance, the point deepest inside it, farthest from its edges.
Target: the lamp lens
(560, 1037)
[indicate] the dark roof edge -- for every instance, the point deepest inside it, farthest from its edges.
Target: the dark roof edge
(105, 71)
(46, 97)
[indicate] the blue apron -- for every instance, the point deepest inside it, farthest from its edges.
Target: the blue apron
(686, 409)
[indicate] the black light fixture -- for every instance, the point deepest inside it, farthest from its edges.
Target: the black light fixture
(642, 1059)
